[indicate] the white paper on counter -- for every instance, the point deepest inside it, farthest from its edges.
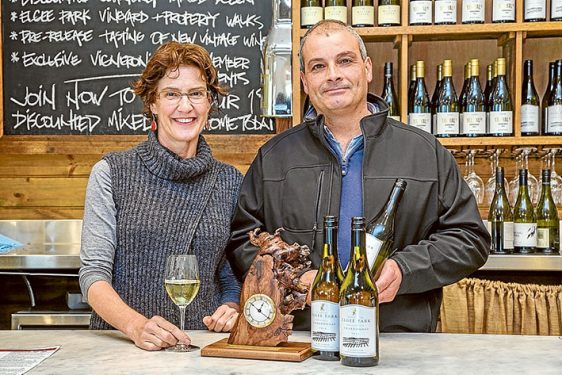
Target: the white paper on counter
(20, 361)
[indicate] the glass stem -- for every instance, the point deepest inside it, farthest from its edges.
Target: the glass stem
(182, 317)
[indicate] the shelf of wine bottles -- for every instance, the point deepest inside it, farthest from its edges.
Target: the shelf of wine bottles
(537, 263)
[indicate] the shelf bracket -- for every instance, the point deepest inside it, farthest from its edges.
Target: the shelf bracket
(397, 42)
(506, 38)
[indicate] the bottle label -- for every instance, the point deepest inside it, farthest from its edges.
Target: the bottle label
(508, 235)
(525, 234)
(501, 122)
(473, 11)
(446, 11)
(389, 15)
(358, 327)
(447, 123)
(397, 118)
(474, 123)
(311, 15)
(420, 12)
(325, 325)
(543, 238)
(529, 118)
(554, 124)
(373, 246)
(363, 15)
(420, 120)
(338, 13)
(535, 9)
(556, 9)
(488, 225)
(503, 10)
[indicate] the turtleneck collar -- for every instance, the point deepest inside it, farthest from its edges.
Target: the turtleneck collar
(165, 164)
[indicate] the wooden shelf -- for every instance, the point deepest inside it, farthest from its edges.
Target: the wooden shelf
(495, 141)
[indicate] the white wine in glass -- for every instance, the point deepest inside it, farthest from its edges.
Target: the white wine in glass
(182, 285)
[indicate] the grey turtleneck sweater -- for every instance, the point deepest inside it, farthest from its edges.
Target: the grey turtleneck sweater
(147, 203)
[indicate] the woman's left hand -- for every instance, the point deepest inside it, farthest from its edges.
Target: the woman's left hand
(223, 318)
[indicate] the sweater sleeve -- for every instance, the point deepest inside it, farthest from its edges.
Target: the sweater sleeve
(229, 285)
(98, 229)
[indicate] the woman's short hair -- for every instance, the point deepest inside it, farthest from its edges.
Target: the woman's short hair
(168, 58)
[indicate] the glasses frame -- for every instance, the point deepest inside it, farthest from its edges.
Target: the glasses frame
(177, 100)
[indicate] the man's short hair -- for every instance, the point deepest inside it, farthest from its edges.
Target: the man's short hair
(327, 25)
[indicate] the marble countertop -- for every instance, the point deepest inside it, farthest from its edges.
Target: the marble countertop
(110, 352)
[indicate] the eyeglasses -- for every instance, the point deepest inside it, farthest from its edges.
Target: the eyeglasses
(174, 96)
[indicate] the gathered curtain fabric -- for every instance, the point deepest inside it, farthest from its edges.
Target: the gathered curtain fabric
(483, 306)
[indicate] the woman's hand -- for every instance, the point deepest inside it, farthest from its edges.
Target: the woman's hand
(157, 333)
(223, 318)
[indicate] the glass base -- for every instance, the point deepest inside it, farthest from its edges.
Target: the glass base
(182, 348)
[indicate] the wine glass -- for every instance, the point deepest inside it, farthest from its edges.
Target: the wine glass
(181, 280)
(555, 179)
(472, 179)
(490, 188)
(531, 180)
(514, 182)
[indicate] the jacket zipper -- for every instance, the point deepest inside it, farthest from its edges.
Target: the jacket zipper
(315, 227)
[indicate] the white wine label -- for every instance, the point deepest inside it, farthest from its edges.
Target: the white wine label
(543, 238)
(358, 327)
(311, 15)
(373, 246)
(503, 10)
(336, 13)
(555, 9)
(508, 235)
(525, 234)
(397, 118)
(535, 9)
(363, 15)
(446, 11)
(447, 123)
(420, 120)
(501, 122)
(529, 118)
(554, 124)
(473, 11)
(420, 12)
(474, 123)
(389, 15)
(325, 325)
(488, 226)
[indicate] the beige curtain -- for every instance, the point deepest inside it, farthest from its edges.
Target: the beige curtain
(483, 306)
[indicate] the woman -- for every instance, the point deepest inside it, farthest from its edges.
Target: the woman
(166, 196)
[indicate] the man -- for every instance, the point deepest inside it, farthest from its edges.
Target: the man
(344, 162)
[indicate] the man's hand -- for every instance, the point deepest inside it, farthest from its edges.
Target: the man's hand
(223, 318)
(389, 281)
(307, 278)
(157, 333)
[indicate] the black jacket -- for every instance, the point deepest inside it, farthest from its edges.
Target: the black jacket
(295, 181)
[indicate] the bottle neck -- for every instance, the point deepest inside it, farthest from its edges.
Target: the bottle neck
(528, 71)
(330, 241)
(358, 252)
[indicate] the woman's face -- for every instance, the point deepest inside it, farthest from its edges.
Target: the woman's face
(182, 106)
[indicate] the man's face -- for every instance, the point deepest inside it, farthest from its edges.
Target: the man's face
(335, 76)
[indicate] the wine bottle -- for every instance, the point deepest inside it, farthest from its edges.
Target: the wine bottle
(311, 12)
(530, 103)
(548, 229)
(435, 96)
(501, 112)
(503, 11)
(419, 110)
(412, 86)
(473, 11)
(535, 10)
(544, 103)
(556, 10)
(420, 12)
(335, 10)
(524, 221)
(389, 94)
(447, 110)
(474, 108)
(389, 13)
(325, 297)
(362, 13)
(500, 218)
(445, 12)
(554, 116)
(464, 91)
(359, 306)
(489, 86)
(380, 230)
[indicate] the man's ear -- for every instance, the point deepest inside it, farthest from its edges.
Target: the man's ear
(304, 83)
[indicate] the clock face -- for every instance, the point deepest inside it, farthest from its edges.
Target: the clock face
(259, 310)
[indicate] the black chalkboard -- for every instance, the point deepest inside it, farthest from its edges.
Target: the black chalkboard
(68, 64)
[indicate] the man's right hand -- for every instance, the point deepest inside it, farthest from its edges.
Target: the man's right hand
(157, 333)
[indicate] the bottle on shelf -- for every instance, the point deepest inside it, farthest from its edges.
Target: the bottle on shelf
(325, 340)
(435, 96)
(544, 103)
(473, 11)
(464, 89)
(554, 115)
(311, 13)
(380, 231)
(335, 10)
(447, 109)
(473, 109)
(445, 12)
(524, 221)
(548, 228)
(501, 111)
(556, 10)
(503, 11)
(389, 94)
(421, 12)
(500, 218)
(530, 102)
(535, 11)
(419, 108)
(363, 13)
(359, 306)
(389, 13)
(488, 97)
(412, 86)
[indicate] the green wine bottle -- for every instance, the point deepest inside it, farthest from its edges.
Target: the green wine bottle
(412, 85)
(464, 90)
(420, 12)
(435, 96)
(501, 112)
(503, 11)
(419, 107)
(524, 221)
(445, 12)
(311, 13)
(473, 123)
(389, 13)
(447, 110)
(530, 103)
(548, 228)
(363, 13)
(554, 118)
(389, 94)
(335, 10)
(500, 218)
(549, 88)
